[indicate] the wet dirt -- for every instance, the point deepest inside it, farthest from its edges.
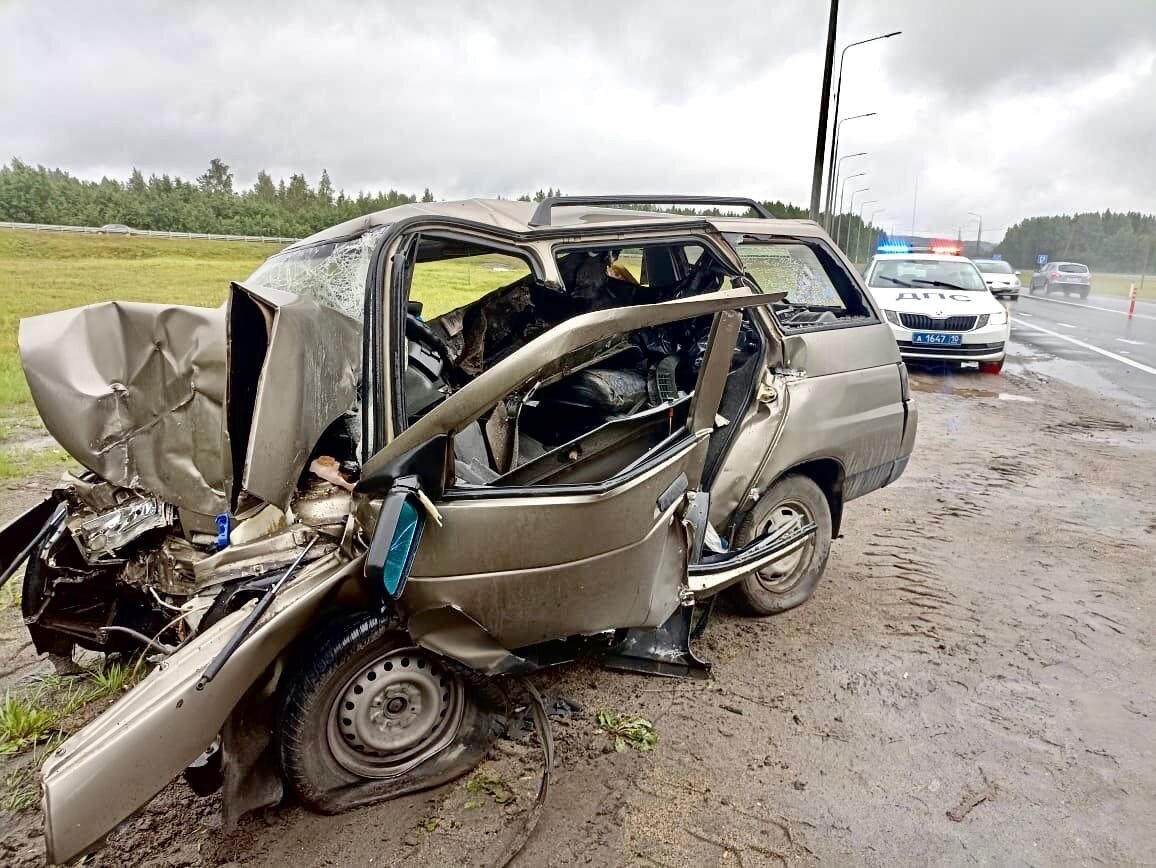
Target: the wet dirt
(973, 681)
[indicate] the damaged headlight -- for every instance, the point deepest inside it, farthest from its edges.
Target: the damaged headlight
(101, 536)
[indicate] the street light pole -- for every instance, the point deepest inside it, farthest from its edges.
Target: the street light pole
(824, 104)
(859, 227)
(830, 205)
(835, 146)
(875, 232)
(838, 93)
(979, 232)
(851, 208)
(842, 190)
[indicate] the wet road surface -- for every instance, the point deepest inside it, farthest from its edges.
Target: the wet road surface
(1090, 343)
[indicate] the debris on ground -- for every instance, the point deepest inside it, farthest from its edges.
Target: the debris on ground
(970, 799)
(628, 731)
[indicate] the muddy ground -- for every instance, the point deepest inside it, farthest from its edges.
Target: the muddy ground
(973, 681)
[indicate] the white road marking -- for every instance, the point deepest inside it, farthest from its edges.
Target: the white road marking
(1089, 306)
(1116, 356)
(1025, 313)
(1133, 343)
(1066, 325)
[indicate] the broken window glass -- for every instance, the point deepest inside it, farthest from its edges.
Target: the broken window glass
(332, 273)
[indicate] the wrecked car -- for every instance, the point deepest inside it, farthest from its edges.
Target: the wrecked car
(421, 453)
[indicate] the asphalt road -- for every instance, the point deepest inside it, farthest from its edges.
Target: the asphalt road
(1090, 343)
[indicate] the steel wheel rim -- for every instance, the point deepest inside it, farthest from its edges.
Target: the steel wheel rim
(394, 714)
(782, 576)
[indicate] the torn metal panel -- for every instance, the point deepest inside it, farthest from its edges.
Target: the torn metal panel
(111, 767)
(258, 557)
(135, 393)
(100, 537)
(309, 375)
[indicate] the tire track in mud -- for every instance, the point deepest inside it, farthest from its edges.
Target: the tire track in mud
(911, 566)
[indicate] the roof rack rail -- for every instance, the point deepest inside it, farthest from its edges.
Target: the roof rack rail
(542, 212)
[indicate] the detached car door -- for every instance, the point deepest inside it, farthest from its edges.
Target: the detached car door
(536, 560)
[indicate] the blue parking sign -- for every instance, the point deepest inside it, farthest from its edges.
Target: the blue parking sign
(1041, 259)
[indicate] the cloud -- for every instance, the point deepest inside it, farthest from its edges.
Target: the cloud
(485, 98)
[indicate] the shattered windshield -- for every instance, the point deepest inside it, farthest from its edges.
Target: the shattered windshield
(332, 273)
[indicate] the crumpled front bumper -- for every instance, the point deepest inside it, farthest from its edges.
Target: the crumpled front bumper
(111, 768)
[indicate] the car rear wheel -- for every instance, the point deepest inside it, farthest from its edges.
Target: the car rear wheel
(793, 500)
(1084, 293)
(370, 716)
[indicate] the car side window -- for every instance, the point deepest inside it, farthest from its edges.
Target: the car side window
(819, 294)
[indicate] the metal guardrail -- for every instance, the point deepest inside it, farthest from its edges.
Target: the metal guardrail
(151, 233)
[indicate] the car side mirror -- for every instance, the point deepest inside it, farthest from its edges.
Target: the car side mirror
(395, 538)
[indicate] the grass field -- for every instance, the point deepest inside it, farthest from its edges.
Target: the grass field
(1110, 284)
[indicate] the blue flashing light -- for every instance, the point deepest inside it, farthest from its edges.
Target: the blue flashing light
(891, 246)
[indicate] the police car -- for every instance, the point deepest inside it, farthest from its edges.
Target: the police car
(939, 307)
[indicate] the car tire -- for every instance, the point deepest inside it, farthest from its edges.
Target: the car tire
(991, 367)
(769, 592)
(1084, 293)
(366, 716)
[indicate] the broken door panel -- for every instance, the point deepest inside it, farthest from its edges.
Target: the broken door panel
(511, 559)
(295, 366)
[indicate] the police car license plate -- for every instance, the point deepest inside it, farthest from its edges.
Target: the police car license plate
(937, 339)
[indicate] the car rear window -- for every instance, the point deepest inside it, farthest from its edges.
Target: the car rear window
(1073, 268)
(993, 266)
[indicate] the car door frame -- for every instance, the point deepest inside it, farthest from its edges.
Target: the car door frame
(439, 598)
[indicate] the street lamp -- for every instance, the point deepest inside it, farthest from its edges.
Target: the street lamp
(839, 93)
(979, 233)
(871, 221)
(842, 190)
(835, 147)
(851, 209)
(859, 226)
(831, 193)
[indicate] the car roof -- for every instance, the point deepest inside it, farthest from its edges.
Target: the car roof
(923, 257)
(515, 216)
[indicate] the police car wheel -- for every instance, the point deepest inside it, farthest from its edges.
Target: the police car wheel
(786, 584)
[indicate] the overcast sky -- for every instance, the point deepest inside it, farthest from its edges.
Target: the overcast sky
(1008, 108)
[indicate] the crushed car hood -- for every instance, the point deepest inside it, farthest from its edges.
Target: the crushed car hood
(189, 404)
(135, 393)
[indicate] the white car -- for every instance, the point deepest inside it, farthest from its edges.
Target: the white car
(1000, 278)
(940, 309)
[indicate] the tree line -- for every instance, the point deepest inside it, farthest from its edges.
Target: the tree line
(212, 203)
(1104, 241)
(209, 204)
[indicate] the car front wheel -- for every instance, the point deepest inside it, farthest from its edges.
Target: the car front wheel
(370, 716)
(793, 500)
